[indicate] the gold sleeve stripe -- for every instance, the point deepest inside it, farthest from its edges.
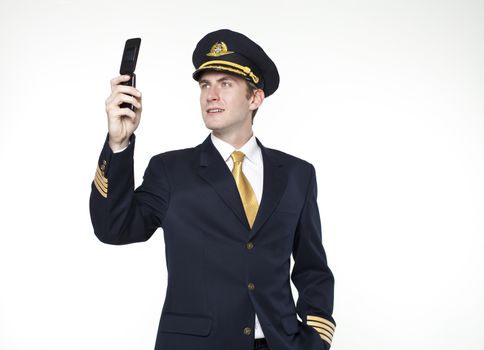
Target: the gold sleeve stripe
(321, 325)
(100, 185)
(322, 320)
(101, 175)
(101, 181)
(104, 194)
(325, 338)
(324, 332)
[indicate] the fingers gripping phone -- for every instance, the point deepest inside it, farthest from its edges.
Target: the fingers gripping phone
(128, 65)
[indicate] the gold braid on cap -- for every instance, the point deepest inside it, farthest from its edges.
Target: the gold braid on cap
(235, 68)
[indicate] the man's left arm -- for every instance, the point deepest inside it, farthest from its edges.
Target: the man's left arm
(311, 274)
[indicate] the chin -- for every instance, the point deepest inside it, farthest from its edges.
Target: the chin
(214, 128)
(213, 124)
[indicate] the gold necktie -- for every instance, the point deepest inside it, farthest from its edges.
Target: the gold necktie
(246, 192)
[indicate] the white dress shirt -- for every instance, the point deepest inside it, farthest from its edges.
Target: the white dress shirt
(253, 169)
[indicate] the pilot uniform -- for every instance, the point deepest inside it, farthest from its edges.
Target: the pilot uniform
(226, 271)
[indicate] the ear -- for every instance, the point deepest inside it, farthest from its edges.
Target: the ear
(256, 99)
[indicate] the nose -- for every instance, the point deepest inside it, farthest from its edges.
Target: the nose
(213, 94)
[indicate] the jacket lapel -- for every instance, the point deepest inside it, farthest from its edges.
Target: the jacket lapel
(275, 180)
(214, 170)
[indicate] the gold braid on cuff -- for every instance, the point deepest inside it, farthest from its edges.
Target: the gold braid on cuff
(324, 327)
(101, 182)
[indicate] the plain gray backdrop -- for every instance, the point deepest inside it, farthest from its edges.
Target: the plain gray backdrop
(385, 98)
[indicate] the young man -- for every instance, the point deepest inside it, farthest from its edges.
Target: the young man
(232, 213)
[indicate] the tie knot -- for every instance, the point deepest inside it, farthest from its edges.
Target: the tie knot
(237, 156)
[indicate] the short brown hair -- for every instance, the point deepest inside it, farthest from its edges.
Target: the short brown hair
(251, 88)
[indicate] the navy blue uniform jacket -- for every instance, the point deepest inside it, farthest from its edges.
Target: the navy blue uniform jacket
(221, 272)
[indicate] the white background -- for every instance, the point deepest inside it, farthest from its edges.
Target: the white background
(385, 98)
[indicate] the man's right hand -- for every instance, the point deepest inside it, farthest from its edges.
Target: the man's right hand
(122, 122)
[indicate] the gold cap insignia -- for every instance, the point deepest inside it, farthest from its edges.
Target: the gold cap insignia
(219, 49)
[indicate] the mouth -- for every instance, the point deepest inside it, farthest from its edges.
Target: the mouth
(215, 110)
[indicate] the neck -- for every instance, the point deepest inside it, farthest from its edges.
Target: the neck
(236, 140)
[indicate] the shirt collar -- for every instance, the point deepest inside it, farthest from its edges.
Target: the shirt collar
(251, 149)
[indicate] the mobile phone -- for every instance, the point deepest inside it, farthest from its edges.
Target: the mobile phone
(128, 65)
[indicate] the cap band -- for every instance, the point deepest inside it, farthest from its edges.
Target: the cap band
(235, 68)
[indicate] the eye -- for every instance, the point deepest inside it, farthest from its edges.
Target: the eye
(203, 85)
(226, 83)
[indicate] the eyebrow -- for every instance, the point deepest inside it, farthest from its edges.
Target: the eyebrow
(225, 77)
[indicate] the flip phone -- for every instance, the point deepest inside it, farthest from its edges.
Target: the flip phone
(128, 65)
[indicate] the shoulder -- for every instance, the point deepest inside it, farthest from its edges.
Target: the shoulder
(176, 158)
(286, 159)
(296, 169)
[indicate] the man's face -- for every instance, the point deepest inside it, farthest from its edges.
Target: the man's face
(224, 102)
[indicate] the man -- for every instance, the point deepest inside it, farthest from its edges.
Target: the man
(232, 212)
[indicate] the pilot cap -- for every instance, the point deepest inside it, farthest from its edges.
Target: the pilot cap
(234, 53)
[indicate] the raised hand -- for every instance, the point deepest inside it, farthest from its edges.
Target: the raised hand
(122, 122)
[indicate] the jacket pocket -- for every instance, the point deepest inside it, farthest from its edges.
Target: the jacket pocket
(185, 324)
(290, 324)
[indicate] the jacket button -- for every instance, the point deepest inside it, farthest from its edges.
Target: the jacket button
(249, 245)
(251, 286)
(247, 331)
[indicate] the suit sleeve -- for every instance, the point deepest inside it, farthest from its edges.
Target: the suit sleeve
(311, 274)
(120, 214)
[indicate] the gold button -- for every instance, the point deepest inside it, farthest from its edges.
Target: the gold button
(104, 162)
(249, 245)
(251, 286)
(247, 331)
